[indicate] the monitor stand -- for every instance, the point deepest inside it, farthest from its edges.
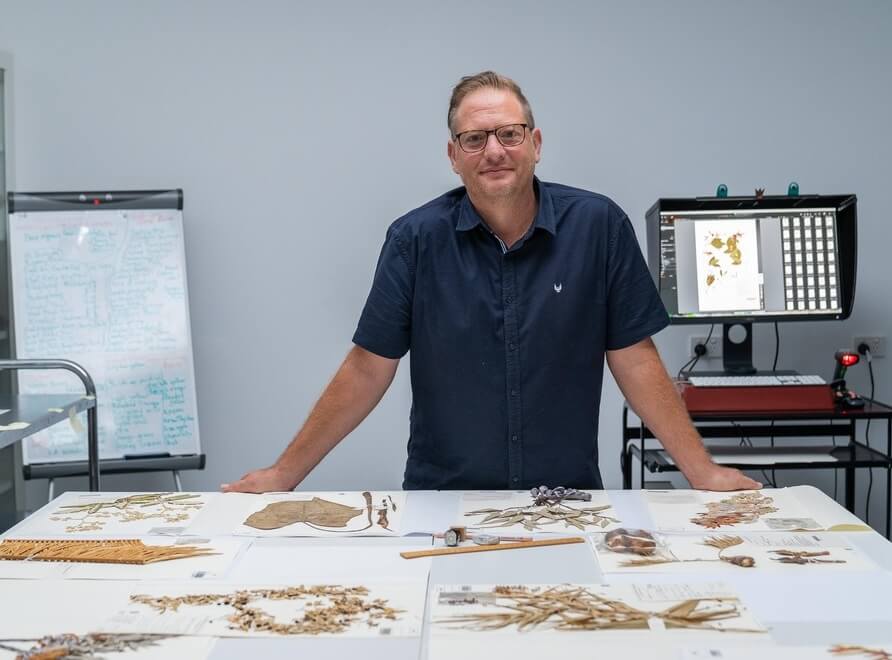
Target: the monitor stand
(737, 353)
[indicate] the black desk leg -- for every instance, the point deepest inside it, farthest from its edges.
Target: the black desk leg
(641, 444)
(625, 461)
(850, 471)
(888, 475)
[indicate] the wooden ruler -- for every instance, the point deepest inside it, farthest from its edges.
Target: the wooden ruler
(460, 550)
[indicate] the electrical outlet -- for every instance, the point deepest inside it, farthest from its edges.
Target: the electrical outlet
(713, 348)
(877, 345)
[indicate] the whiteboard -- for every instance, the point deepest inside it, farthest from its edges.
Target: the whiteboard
(107, 289)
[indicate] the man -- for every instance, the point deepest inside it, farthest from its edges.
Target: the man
(509, 292)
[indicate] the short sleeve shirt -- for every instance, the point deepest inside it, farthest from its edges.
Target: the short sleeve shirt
(507, 345)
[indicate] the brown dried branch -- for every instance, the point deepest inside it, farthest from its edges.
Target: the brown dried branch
(533, 518)
(577, 608)
(171, 507)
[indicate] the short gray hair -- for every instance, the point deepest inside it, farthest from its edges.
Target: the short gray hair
(493, 80)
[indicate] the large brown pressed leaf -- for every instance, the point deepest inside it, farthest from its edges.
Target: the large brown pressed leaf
(316, 511)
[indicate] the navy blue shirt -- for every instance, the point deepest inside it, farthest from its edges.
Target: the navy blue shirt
(507, 346)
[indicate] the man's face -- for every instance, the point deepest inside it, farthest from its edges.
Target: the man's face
(496, 171)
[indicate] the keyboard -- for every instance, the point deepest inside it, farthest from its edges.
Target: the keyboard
(755, 381)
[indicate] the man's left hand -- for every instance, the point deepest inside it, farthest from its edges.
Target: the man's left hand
(719, 478)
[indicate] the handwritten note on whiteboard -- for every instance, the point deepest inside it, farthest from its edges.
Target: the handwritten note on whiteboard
(107, 289)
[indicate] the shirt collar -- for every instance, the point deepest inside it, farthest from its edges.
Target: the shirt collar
(468, 218)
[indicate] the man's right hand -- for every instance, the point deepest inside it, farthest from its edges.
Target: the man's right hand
(270, 479)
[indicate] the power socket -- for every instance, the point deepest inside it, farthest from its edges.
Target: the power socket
(713, 348)
(877, 345)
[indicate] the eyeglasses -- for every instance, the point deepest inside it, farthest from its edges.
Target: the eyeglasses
(509, 135)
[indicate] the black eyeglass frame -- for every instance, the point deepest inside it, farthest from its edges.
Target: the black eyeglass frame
(492, 131)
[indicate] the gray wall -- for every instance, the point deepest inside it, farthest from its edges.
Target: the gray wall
(299, 131)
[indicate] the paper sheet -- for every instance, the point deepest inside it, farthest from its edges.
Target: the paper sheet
(854, 650)
(194, 648)
(577, 646)
(70, 515)
(212, 618)
(350, 514)
(451, 605)
(763, 510)
(519, 502)
(327, 560)
(691, 554)
(34, 608)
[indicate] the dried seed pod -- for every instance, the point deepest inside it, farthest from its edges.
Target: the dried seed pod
(634, 541)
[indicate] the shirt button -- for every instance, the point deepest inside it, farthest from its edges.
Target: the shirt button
(515, 479)
(514, 438)
(509, 300)
(511, 347)
(513, 392)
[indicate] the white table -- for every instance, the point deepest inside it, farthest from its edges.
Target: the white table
(802, 609)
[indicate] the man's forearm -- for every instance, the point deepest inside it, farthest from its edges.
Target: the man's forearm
(352, 394)
(652, 395)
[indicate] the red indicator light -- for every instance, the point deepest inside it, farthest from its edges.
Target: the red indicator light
(848, 359)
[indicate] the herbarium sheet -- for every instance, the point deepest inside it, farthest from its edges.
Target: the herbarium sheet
(193, 558)
(612, 612)
(319, 514)
(844, 650)
(641, 551)
(703, 511)
(223, 609)
(117, 515)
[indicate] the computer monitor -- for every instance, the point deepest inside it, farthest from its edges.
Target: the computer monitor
(739, 260)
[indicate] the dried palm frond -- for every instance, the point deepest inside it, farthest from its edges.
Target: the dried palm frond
(104, 551)
(345, 606)
(576, 608)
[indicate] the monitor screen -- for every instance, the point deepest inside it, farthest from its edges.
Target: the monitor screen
(753, 259)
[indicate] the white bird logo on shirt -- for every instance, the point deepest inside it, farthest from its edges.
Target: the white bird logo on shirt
(558, 286)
